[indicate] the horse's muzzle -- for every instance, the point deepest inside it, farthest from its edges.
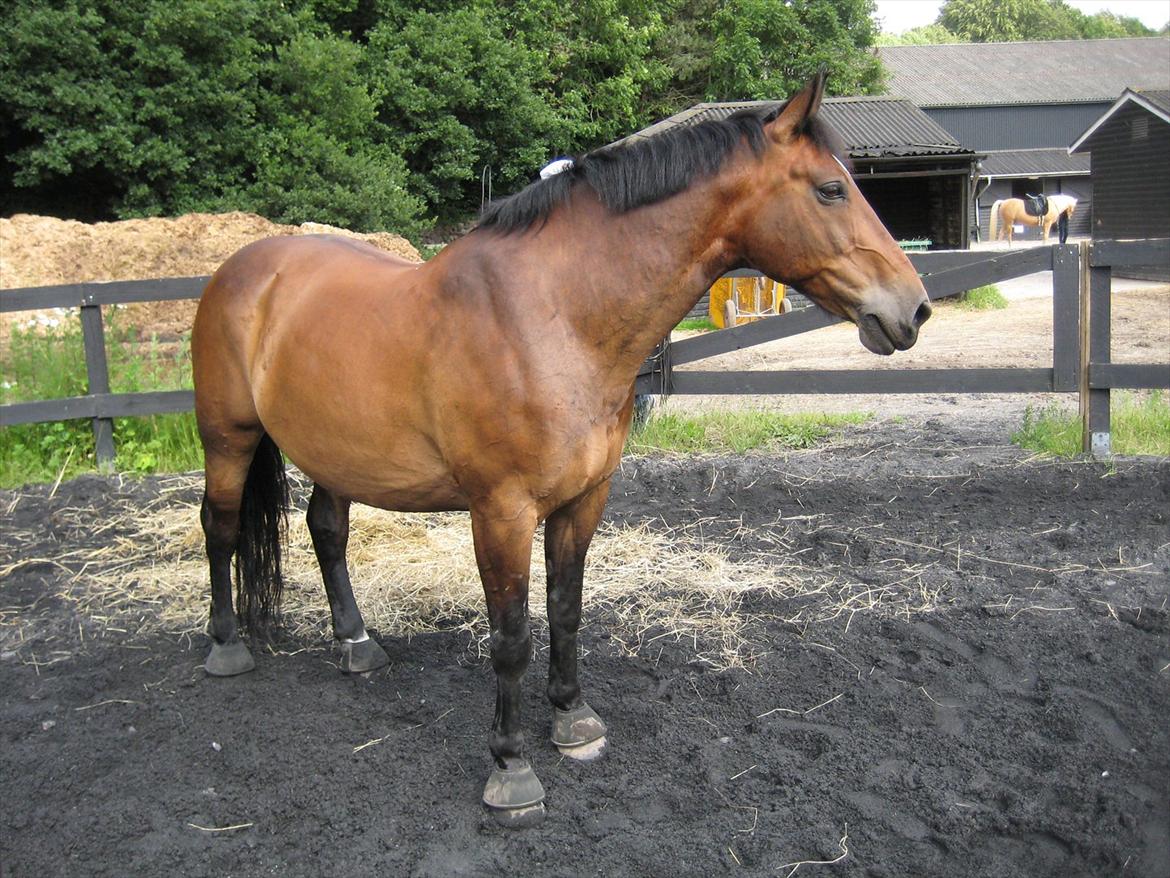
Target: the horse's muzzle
(883, 334)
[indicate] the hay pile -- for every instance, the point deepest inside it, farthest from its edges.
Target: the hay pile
(416, 573)
(41, 251)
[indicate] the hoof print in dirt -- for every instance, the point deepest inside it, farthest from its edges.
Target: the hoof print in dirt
(364, 656)
(229, 659)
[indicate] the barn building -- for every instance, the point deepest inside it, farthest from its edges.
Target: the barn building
(1023, 103)
(918, 178)
(1130, 149)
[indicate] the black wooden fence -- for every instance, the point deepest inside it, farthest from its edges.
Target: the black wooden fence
(1081, 289)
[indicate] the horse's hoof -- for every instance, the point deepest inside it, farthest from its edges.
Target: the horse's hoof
(519, 818)
(366, 655)
(514, 795)
(579, 733)
(585, 752)
(229, 659)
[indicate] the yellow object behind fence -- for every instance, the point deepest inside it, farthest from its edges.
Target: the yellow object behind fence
(736, 300)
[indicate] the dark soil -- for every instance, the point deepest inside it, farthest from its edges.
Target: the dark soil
(1019, 729)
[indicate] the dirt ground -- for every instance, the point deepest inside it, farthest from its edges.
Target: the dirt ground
(1017, 726)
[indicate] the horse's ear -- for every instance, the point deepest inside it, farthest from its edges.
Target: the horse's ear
(800, 109)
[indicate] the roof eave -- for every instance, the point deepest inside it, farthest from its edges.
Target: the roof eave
(1127, 96)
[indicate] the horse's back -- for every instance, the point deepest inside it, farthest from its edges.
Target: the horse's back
(304, 256)
(265, 280)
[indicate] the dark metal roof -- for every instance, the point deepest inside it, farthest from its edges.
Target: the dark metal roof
(994, 74)
(1160, 98)
(871, 127)
(1053, 162)
(1154, 101)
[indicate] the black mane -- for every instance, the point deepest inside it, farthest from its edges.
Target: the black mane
(626, 176)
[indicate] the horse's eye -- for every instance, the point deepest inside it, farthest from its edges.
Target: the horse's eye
(831, 191)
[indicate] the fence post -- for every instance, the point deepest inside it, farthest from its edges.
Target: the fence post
(1096, 317)
(98, 373)
(1065, 317)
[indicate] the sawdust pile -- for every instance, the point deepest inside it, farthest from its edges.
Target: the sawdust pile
(41, 251)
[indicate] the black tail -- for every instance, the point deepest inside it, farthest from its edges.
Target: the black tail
(263, 527)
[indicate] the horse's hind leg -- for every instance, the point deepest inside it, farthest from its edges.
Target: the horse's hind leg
(328, 520)
(227, 461)
(577, 731)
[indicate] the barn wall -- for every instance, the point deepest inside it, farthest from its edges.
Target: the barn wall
(1133, 177)
(1132, 174)
(1017, 127)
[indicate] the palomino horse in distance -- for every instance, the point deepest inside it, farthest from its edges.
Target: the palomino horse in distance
(498, 377)
(1012, 210)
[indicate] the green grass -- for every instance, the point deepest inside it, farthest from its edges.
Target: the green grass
(985, 298)
(49, 365)
(697, 324)
(722, 432)
(1140, 424)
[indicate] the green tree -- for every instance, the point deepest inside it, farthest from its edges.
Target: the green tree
(986, 21)
(113, 109)
(466, 85)
(760, 49)
(455, 96)
(596, 63)
(322, 153)
(926, 35)
(764, 49)
(1105, 24)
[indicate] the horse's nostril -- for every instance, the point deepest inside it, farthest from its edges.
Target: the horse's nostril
(922, 314)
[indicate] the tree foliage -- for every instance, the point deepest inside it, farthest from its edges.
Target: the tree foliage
(763, 49)
(988, 21)
(927, 35)
(370, 113)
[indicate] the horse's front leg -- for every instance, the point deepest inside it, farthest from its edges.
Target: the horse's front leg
(577, 731)
(502, 529)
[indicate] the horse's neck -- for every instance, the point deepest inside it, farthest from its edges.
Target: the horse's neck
(636, 275)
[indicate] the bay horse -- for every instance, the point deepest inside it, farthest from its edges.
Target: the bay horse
(1012, 210)
(498, 377)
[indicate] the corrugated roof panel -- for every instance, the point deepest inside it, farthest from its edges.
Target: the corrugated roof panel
(1160, 98)
(1057, 72)
(870, 127)
(1055, 162)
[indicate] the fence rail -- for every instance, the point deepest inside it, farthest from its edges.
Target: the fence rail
(1081, 289)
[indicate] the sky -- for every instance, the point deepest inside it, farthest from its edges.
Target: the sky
(901, 15)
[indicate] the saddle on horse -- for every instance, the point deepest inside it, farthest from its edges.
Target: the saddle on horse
(1036, 205)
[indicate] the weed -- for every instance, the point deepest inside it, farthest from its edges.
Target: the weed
(1140, 424)
(985, 298)
(735, 431)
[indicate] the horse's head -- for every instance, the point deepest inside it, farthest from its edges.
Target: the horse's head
(801, 219)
